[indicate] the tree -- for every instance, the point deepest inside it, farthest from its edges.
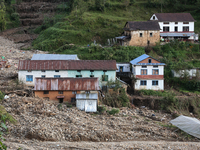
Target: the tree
(99, 4)
(2, 15)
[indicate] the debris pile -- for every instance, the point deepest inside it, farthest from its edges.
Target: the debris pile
(50, 121)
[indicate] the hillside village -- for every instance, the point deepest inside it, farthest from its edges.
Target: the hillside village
(137, 87)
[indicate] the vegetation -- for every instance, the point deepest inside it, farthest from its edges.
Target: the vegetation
(113, 111)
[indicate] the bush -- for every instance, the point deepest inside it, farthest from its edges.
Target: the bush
(1, 95)
(113, 111)
(101, 109)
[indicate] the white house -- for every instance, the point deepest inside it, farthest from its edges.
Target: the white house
(28, 70)
(175, 25)
(123, 67)
(149, 73)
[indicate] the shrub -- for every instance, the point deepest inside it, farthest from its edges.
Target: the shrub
(113, 111)
(101, 109)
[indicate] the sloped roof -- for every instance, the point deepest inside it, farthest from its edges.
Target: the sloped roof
(174, 17)
(54, 57)
(67, 65)
(142, 25)
(138, 59)
(66, 84)
(142, 57)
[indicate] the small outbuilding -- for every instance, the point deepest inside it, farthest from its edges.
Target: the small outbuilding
(87, 102)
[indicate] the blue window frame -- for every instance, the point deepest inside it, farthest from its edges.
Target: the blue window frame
(143, 82)
(56, 76)
(43, 76)
(155, 82)
(155, 71)
(29, 78)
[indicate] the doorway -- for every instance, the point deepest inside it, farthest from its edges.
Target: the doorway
(60, 100)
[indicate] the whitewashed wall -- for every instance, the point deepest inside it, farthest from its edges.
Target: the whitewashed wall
(22, 75)
(137, 70)
(149, 85)
(126, 67)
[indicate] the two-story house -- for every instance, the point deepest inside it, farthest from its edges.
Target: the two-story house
(149, 73)
(140, 33)
(28, 70)
(175, 25)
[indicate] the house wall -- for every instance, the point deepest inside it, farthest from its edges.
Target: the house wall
(149, 85)
(147, 60)
(53, 95)
(65, 73)
(126, 67)
(136, 40)
(137, 70)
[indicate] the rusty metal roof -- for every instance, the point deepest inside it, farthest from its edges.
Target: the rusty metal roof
(67, 65)
(66, 84)
(174, 17)
(142, 25)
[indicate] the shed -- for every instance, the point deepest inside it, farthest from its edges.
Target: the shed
(87, 102)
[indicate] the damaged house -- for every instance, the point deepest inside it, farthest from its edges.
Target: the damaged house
(83, 91)
(28, 70)
(141, 33)
(149, 73)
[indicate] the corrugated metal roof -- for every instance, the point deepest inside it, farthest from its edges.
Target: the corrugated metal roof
(66, 84)
(174, 17)
(142, 25)
(177, 34)
(91, 96)
(138, 59)
(54, 57)
(67, 65)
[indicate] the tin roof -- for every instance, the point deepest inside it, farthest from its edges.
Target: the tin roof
(54, 57)
(66, 84)
(142, 25)
(67, 65)
(174, 17)
(142, 57)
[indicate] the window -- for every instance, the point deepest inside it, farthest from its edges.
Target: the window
(29, 71)
(43, 76)
(56, 76)
(56, 70)
(154, 17)
(143, 82)
(155, 82)
(185, 28)
(175, 29)
(73, 92)
(149, 60)
(91, 76)
(43, 71)
(46, 92)
(151, 34)
(121, 68)
(104, 77)
(176, 22)
(166, 23)
(143, 71)
(78, 70)
(60, 92)
(144, 66)
(29, 78)
(155, 72)
(78, 76)
(87, 92)
(165, 29)
(185, 22)
(140, 34)
(155, 66)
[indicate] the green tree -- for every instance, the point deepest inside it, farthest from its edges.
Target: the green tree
(2, 15)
